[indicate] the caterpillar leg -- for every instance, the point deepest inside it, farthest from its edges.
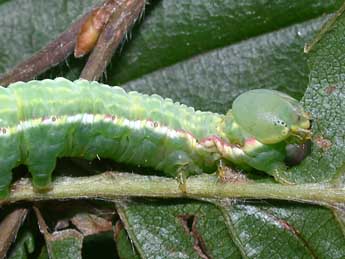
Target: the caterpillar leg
(266, 158)
(277, 174)
(226, 174)
(9, 148)
(182, 180)
(220, 170)
(5, 181)
(44, 142)
(41, 171)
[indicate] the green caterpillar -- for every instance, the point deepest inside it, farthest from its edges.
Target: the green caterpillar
(43, 120)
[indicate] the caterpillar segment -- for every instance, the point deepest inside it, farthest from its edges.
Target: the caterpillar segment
(41, 121)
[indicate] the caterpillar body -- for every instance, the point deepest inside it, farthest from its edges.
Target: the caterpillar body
(43, 120)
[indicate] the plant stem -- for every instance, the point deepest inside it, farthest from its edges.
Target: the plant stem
(116, 185)
(126, 14)
(49, 56)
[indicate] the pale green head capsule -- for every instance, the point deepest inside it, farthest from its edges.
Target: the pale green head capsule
(271, 116)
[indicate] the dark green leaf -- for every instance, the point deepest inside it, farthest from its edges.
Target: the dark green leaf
(24, 246)
(324, 99)
(285, 230)
(173, 31)
(125, 247)
(251, 230)
(99, 246)
(212, 80)
(166, 230)
(60, 244)
(44, 253)
(65, 244)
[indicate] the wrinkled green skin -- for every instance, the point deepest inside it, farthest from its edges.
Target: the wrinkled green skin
(43, 120)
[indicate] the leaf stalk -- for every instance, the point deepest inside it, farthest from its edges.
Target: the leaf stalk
(111, 185)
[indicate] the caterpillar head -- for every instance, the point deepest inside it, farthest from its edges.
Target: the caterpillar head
(271, 116)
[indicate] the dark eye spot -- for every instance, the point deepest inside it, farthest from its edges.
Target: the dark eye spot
(280, 123)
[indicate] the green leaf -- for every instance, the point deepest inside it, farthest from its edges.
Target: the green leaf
(125, 247)
(24, 246)
(173, 31)
(212, 80)
(324, 99)
(236, 230)
(202, 26)
(44, 253)
(285, 230)
(64, 244)
(177, 229)
(60, 244)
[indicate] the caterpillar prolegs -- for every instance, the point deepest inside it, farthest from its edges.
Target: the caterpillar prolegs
(43, 120)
